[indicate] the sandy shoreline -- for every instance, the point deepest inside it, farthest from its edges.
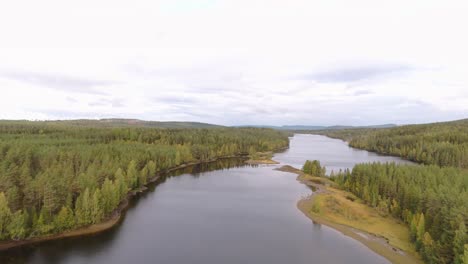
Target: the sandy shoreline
(376, 243)
(261, 161)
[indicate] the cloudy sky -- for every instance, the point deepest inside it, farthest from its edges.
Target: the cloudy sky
(321, 62)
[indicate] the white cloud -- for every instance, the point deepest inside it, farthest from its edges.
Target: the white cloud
(235, 62)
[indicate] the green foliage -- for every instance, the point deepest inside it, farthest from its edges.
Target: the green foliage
(428, 249)
(60, 175)
(465, 259)
(44, 224)
(18, 225)
(460, 239)
(314, 168)
(65, 219)
(5, 216)
(432, 200)
(96, 207)
(443, 144)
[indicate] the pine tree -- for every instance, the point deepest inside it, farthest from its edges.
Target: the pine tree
(428, 250)
(51, 199)
(17, 228)
(121, 183)
(421, 227)
(96, 209)
(143, 176)
(43, 225)
(395, 208)
(459, 241)
(132, 174)
(5, 216)
(14, 198)
(414, 227)
(83, 208)
(465, 259)
(151, 168)
(107, 196)
(64, 219)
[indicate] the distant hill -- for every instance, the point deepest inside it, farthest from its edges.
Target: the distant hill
(337, 127)
(160, 124)
(121, 122)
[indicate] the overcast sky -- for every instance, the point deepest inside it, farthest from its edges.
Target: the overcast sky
(321, 62)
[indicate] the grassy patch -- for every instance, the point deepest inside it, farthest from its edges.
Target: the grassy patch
(261, 158)
(261, 155)
(346, 213)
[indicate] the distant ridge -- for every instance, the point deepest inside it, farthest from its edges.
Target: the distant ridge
(337, 127)
(162, 124)
(122, 122)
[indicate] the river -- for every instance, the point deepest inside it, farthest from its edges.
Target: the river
(224, 212)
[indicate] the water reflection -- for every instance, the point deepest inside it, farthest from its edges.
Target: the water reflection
(221, 212)
(55, 251)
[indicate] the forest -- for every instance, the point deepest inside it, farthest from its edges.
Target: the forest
(432, 199)
(57, 176)
(443, 144)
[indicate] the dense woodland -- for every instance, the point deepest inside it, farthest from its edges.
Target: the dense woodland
(55, 176)
(431, 199)
(443, 144)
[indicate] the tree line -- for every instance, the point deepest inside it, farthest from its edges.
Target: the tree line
(55, 177)
(431, 200)
(443, 144)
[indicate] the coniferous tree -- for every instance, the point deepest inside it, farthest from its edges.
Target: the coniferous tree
(108, 202)
(132, 174)
(428, 249)
(96, 207)
(65, 219)
(54, 174)
(465, 259)
(5, 216)
(17, 228)
(433, 201)
(460, 239)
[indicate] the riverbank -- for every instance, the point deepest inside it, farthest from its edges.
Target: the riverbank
(344, 212)
(110, 221)
(261, 158)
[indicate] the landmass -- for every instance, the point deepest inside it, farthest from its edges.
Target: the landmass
(344, 212)
(261, 158)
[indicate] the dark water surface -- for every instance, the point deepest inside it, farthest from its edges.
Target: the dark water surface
(224, 212)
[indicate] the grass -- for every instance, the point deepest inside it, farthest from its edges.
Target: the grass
(261, 158)
(345, 212)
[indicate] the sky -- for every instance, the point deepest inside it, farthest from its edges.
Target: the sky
(240, 62)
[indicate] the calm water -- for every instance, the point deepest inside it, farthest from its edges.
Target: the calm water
(224, 212)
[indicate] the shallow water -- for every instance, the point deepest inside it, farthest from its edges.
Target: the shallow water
(224, 212)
